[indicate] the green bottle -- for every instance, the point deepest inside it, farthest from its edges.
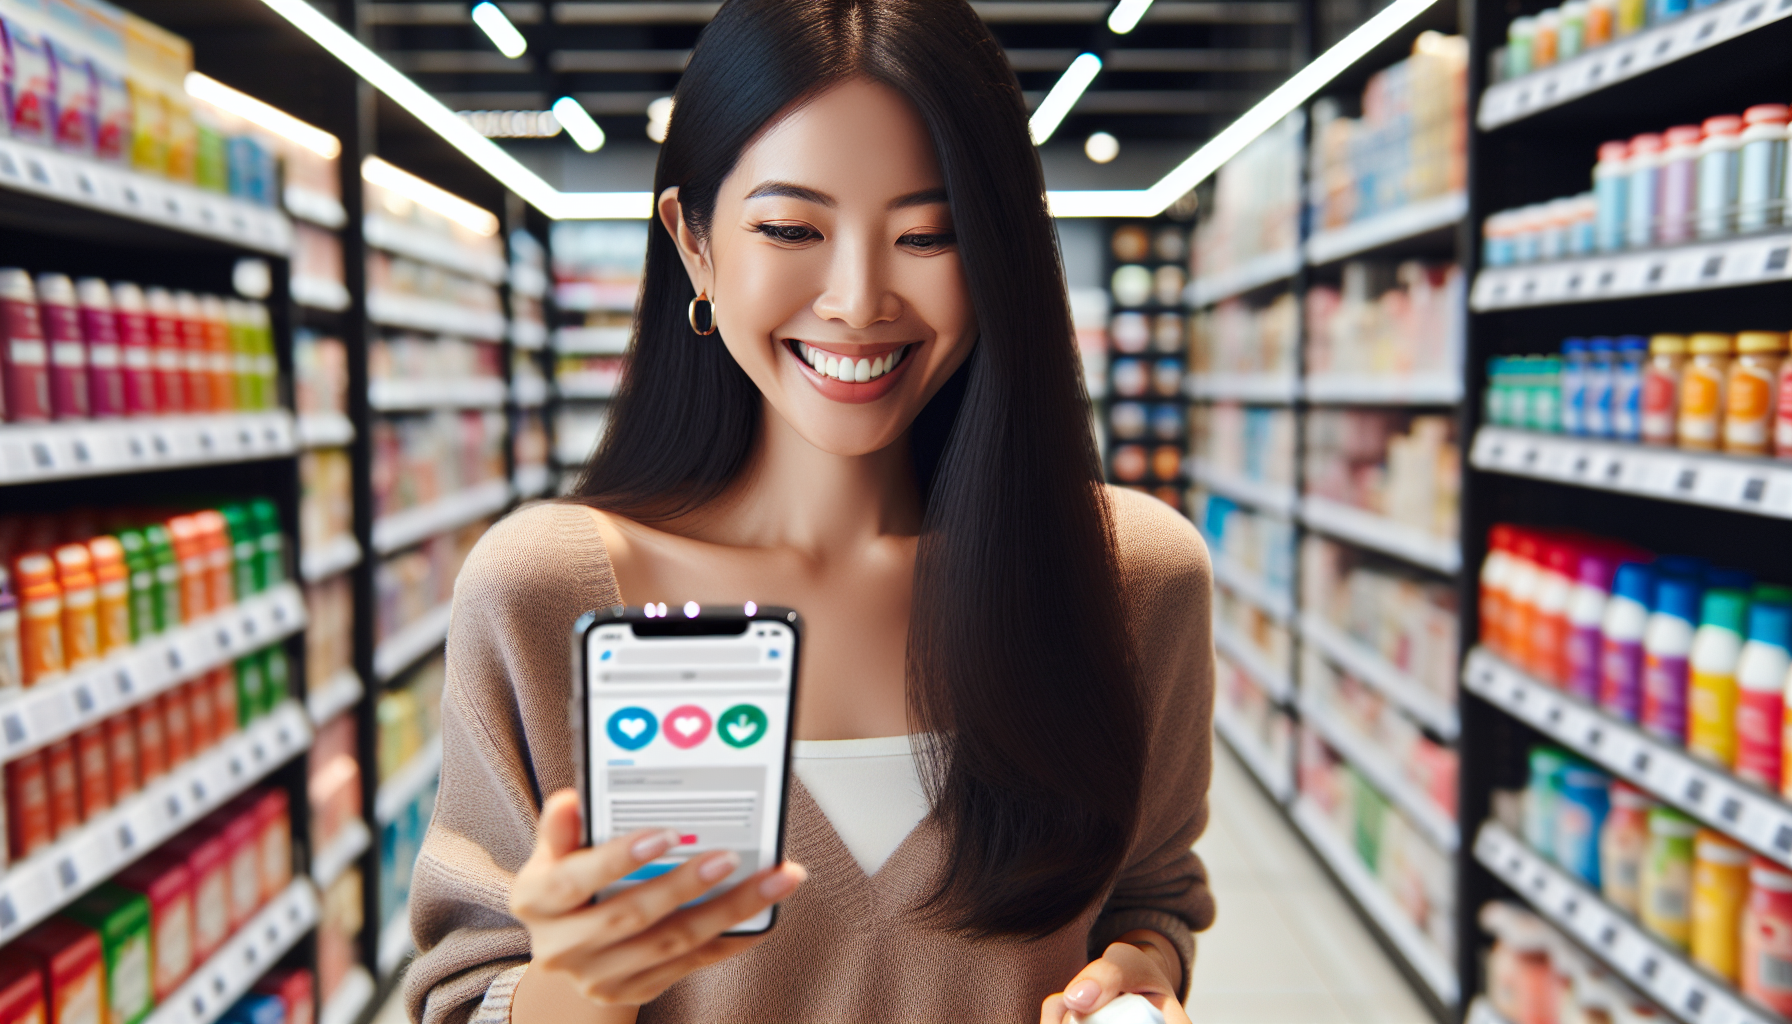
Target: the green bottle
(140, 566)
(276, 677)
(243, 548)
(250, 685)
(272, 543)
(161, 550)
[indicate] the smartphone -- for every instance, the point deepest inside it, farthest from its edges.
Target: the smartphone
(684, 723)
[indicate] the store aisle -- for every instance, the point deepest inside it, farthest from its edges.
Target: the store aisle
(1286, 948)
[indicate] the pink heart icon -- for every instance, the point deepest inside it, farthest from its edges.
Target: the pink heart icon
(687, 726)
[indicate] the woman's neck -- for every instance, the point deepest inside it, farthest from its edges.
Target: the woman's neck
(793, 494)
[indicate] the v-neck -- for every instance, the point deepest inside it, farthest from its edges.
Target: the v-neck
(812, 841)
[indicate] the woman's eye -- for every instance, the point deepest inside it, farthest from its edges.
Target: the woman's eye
(788, 232)
(927, 243)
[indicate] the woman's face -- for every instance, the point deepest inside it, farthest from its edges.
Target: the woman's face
(834, 270)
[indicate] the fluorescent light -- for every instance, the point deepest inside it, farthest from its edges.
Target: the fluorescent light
(449, 205)
(578, 124)
(1101, 147)
(1099, 203)
(256, 112)
(1063, 96)
(1126, 16)
(659, 118)
(499, 30)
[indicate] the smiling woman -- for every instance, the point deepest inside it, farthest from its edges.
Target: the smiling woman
(853, 391)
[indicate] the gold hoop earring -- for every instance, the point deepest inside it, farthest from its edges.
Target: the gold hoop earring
(692, 314)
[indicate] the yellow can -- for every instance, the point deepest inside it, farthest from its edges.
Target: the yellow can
(1719, 893)
(1702, 389)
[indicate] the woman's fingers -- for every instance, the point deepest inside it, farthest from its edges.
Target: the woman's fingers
(1052, 1010)
(647, 986)
(1095, 986)
(688, 930)
(559, 877)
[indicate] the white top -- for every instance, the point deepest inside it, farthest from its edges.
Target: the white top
(869, 789)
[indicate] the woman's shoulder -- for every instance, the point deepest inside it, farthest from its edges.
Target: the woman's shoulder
(1159, 549)
(544, 552)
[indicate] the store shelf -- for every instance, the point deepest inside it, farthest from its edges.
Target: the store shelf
(589, 386)
(1394, 226)
(532, 481)
(1657, 970)
(1274, 775)
(402, 529)
(319, 293)
(1388, 536)
(1704, 266)
(1258, 388)
(112, 189)
(1274, 602)
(1375, 902)
(30, 452)
(402, 649)
(351, 998)
(588, 296)
(1277, 683)
(396, 793)
(1519, 98)
(592, 341)
(528, 335)
(410, 395)
(399, 238)
(324, 430)
(341, 692)
(1734, 483)
(396, 942)
(1704, 791)
(1383, 389)
(334, 556)
(325, 211)
(51, 711)
(1259, 494)
(390, 309)
(529, 392)
(1253, 274)
(1368, 666)
(340, 853)
(1433, 821)
(33, 889)
(528, 280)
(243, 959)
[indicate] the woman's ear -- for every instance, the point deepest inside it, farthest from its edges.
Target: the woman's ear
(690, 248)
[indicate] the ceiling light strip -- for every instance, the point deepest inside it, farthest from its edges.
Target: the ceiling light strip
(1057, 103)
(468, 215)
(275, 120)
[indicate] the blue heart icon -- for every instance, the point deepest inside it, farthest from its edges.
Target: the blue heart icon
(632, 728)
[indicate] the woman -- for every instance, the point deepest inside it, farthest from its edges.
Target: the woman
(853, 392)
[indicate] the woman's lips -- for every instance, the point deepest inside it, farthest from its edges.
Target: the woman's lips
(850, 391)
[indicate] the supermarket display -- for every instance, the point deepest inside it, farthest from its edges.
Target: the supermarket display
(1145, 419)
(597, 268)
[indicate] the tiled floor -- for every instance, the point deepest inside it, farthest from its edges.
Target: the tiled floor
(1286, 948)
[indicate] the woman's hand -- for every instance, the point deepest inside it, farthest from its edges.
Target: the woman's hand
(1141, 962)
(625, 950)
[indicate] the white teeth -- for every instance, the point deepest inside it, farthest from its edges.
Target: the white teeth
(862, 372)
(832, 367)
(857, 371)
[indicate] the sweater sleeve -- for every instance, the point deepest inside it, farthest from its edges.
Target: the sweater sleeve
(1168, 587)
(506, 745)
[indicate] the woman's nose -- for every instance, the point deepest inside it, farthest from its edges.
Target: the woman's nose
(858, 292)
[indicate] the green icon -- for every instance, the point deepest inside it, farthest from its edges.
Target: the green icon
(741, 725)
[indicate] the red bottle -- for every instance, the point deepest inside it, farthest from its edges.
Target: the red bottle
(198, 349)
(68, 352)
(105, 366)
(23, 355)
(136, 349)
(171, 356)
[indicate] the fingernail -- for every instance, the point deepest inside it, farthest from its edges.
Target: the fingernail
(1082, 995)
(649, 847)
(717, 868)
(780, 884)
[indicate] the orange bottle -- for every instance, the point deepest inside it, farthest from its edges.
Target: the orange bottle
(80, 605)
(1496, 572)
(215, 536)
(177, 726)
(65, 787)
(1526, 575)
(152, 742)
(195, 580)
(1546, 656)
(40, 627)
(95, 766)
(222, 357)
(115, 594)
(223, 686)
(204, 719)
(1753, 387)
(121, 744)
(1702, 387)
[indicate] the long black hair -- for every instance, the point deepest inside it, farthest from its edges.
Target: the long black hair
(1018, 652)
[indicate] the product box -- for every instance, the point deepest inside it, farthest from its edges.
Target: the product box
(27, 805)
(65, 787)
(242, 839)
(112, 100)
(256, 1009)
(293, 987)
(208, 860)
(122, 919)
(65, 38)
(30, 82)
(68, 955)
(22, 991)
(168, 885)
(272, 810)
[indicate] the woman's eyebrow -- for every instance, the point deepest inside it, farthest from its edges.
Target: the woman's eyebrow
(925, 197)
(791, 190)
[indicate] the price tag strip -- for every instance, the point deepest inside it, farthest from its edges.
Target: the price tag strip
(1253, 273)
(243, 959)
(33, 718)
(1731, 482)
(340, 854)
(32, 452)
(402, 649)
(1750, 259)
(402, 529)
(49, 880)
(1377, 903)
(1432, 821)
(1370, 667)
(1267, 388)
(1660, 972)
(396, 236)
(402, 395)
(1279, 685)
(116, 190)
(1708, 793)
(1262, 494)
(1274, 602)
(1521, 97)
(1275, 776)
(1397, 225)
(395, 309)
(1388, 536)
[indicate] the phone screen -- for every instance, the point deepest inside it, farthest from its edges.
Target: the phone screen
(690, 730)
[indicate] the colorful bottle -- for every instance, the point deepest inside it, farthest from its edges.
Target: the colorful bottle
(61, 319)
(169, 588)
(1621, 629)
(1749, 404)
(195, 578)
(1760, 682)
(1545, 764)
(1716, 651)
(1667, 646)
(1602, 17)
(195, 352)
(1677, 198)
(40, 622)
(1586, 610)
(1495, 572)
(1642, 192)
(1627, 388)
(1719, 892)
(171, 357)
(1549, 618)
(1702, 390)
(137, 349)
(113, 576)
(80, 605)
(220, 356)
(1573, 402)
(1761, 167)
(1582, 801)
(11, 678)
(1596, 421)
(1767, 937)
(214, 535)
(105, 363)
(1719, 157)
(1611, 187)
(24, 358)
(1571, 35)
(1521, 596)
(245, 549)
(1665, 899)
(142, 576)
(1661, 388)
(272, 543)
(1623, 843)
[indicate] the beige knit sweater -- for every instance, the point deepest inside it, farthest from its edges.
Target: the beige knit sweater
(843, 948)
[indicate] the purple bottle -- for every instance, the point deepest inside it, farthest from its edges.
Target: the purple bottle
(68, 352)
(1586, 611)
(1621, 629)
(105, 363)
(1667, 648)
